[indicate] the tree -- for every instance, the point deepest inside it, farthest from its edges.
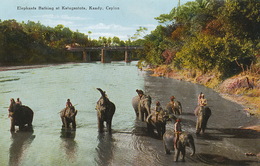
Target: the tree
(140, 32)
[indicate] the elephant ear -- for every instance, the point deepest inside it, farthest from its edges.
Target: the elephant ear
(190, 137)
(179, 144)
(183, 136)
(207, 111)
(67, 112)
(75, 113)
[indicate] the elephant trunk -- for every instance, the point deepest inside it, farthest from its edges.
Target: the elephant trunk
(193, 148)
(148, 108)
(73, 114)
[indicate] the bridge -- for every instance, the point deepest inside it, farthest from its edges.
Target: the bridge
(105, 58)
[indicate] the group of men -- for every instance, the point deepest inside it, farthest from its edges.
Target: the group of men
(13, 103)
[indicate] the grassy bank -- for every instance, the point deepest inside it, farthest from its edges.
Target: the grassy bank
(243, 88)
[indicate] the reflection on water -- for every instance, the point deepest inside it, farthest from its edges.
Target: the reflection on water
(21, 141)
(69, 144)
(11, 79)
(105, 149)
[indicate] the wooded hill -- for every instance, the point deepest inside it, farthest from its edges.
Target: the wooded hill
(220, 36)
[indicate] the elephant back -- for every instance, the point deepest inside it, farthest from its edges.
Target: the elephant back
(68, 112)
(135, 102)
(102, 103)
(105, 108)
(185, 137)
(168, 138)
(22, 115)
(174, 108)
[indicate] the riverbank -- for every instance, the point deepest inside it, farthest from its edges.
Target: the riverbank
(243, 89)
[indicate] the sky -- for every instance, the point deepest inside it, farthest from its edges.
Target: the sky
(95, 16)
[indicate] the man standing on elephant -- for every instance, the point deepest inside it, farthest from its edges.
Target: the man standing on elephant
(203, 113)
(11, 107)
(140, 93)
(202, 100)
(172, 102)
(18, 101)
(159, 110)
(199, 97)
(68, 103)
(144, 105)
(177, 131)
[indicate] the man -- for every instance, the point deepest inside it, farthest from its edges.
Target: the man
(18, 101)
(177, 131)
(140, 93)
(203, 100)
(68, 103)
(173, 104)
(199, 97)
(11, 107)
(172, 101)
(159, 111)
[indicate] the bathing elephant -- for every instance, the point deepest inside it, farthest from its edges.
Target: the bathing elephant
(20, 115)
(144, 107)
(135, 102)
(105, 111)
(68, 116)
(176, 109)
(203, 113)
(185, 139)
(157, 122)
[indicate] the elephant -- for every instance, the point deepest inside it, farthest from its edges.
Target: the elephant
(105, 111)
(68, 116)
(203, 113)
(135, 102)
(144, 107)
(20, 115)
(176, 109)
(158, 122)
(185, 139)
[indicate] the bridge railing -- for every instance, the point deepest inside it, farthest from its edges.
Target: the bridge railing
(105, 48)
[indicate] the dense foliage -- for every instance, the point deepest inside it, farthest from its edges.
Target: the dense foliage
(207, 35)
(34, 43)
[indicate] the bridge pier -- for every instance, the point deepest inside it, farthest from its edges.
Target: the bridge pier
(86, 56)
(127, 56)
(105, 58)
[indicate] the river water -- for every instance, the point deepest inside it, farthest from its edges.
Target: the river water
(46, 89)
